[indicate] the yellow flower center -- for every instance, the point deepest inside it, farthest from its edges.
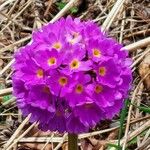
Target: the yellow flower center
(79, 89)
(57, 45)
(102, 71)
(96, 52)
(63, 81)
(51, 61)
(74, 64)
(98, 89)
(39, 73)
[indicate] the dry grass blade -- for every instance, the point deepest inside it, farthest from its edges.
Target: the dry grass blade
(11, 46)
(141, 57)
(5, 91)
(24, 8)
(40, 139)
(47, 142)
(116, 8)
(143, 145)
(21, 136)
(7, 67)
(86, 135)
(61, 142)
(136, 133)
(64, 10)
(16, 133)
(5, 3)
(129, 113)
(139, 44)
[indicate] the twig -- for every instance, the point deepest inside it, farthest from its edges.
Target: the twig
(12, 8)
(47, 142)
(143, 145)
(146, 136)
(61, 142)
(122, 27)
(21, 136)
(139, 44)
(146, 31)
(137, 113)
(129, 113)
(15, 22)
(18, 14)
(9, 102)
(16, 133)
(6, 110)
(7, 66)
(11, 46)
(64, 10)
(4, 92)
(111, 16)
(140, 58)
(85, 135)
(136, 132)
(48, 7)
(40, 139)
(5, 3)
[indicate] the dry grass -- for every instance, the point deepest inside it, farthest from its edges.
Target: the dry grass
(126, 20)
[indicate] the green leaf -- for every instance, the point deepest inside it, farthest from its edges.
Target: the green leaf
(6, 98)
(122, 120)
(110, 146)
(74, 10)
(144, 109)
(133, 141)
(61, 5)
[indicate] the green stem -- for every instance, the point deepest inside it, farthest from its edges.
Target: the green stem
(72, 142)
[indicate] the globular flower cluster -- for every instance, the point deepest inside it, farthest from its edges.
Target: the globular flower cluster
(71, 76)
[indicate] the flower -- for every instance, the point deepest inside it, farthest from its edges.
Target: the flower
(107, 72)
(88, 113)
(96, 50)
(75, 64)
(74, 125)
(102, 94)
(59, 83)
(71, 76)
(78, 93)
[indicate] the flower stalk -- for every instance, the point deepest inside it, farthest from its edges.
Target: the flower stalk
(72, 141)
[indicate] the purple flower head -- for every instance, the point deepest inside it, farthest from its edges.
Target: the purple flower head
(71, 76)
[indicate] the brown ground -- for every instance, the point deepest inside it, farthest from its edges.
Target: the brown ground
(131, 25)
